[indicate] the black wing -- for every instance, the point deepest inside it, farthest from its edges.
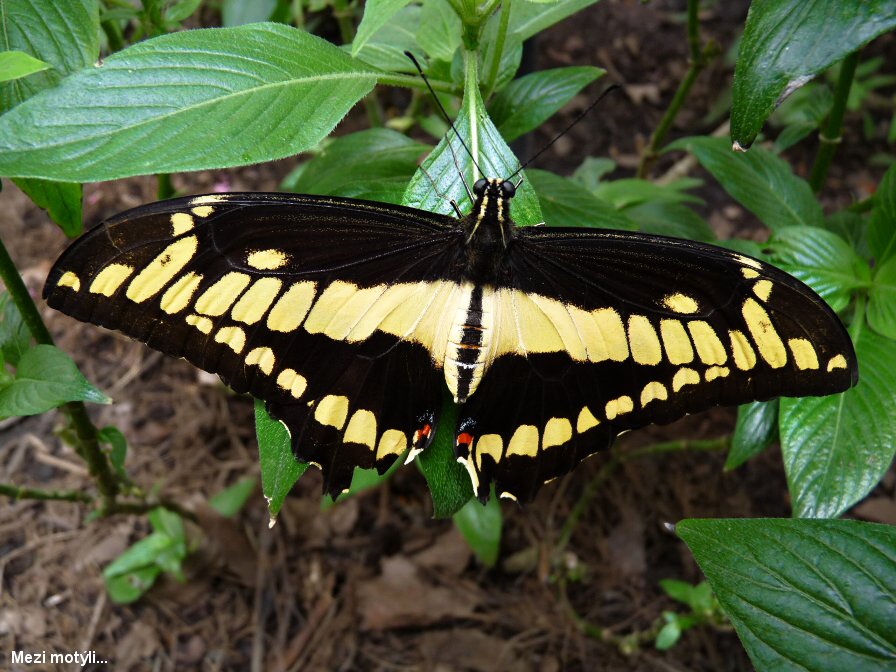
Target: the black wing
(616, 330)
(227, 280)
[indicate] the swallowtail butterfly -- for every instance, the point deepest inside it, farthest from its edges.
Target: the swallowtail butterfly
(348, 317)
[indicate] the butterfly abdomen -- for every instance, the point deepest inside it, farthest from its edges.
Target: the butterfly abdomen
(468, 341)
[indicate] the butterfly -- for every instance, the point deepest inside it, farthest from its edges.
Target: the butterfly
(348, 318)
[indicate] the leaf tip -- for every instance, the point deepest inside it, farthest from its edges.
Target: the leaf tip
(737, 147)
(669, 527)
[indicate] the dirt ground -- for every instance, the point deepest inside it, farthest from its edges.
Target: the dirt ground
(376, 583)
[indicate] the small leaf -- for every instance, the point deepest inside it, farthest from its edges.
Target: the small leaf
(882, 227)
(18, 64)
(167, 522)
(882, 300)
(629, 192)
(279, 468)
(449, 484)
(141, 554)
(812, 595)
(565, 203)
(669, 634)
(681, 591)
(756, 428)
(113, 437)
(182, 9)
(362, 479)
(46, 377)
(385, 49)
(481, 527)
(591, 171)
(230, 500)
(376, 14)
(241, 12)
(439, 33)
(529, 18)
(527, 102)
(61, 200)
(15, 339)
(670, 219)
(787, 43)
(129, 587)
(762, 182)
(837, 448)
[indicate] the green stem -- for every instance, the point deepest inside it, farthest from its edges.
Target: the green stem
(699, 57)
(471, 88)
(114, 36)
(414, 82)
(495, 65)
(164, 187)
(14, 492)
(830, 136)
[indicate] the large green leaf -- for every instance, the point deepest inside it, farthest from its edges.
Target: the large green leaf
(803, 595)
(185, 101)
(386, 48)
(787, 42)
(762, 182)
(882, 227)
(756, 428)
(882, 300)
(837, 448)
(376, 14)
(61, 200)
(530, 18)
(439, 33)
(45, 378)
(279, 468)
(241, 12)
(566, 203)
(18, 64)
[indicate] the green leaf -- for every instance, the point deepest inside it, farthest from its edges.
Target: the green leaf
(61, 200)
(592, 170)
(180, 10)
(376, 14)
(681, 591)
(362, 479)
(18, 64)
(129, 587)
(360, 164)
(529, 18)
(786, 43)
(449, 483)
(118, 452)
(669, 634)
(141, 554)
(882, 226)
(670, 219)
(821, 259)
(279, 468)
(167, 522)
(481, 527)
(756, 428)
(527, 102)
(806, 595)
(241, 12)
(762, 182)
(230, 500)
(509, 59)
(385, 49)
(882, 300)
(565, 203)
(15, 339)
(439, 34)
(185, 101)
(837, 448)
(46, 377)
(629, 192)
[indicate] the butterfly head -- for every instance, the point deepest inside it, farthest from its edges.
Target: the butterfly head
(490, 216)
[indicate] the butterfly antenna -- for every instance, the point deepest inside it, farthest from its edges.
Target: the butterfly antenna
(579, 118)
(450, 123)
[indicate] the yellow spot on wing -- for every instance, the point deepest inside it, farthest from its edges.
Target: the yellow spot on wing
(769, 344)
(233, 337)
(291, 308)
(110, 278)
(602, 333)
(332, 411)
(267, 260)
(537, 332)
(292, 382)
(619, 406)
(558, 314)
(653, 390)
(256, 301)
(220, 296)
(203, 324)
(762, 289)
(488, 444)
(749, 273)
(524, 441)
(263, 357)
(676, 342)
(643, 341)
(160, 270)
(684, 377)
(69, 279)
(207, 199)
(744, 356)
(361, 429)
(203, 210)
(392, 442)
(586, 420)
(181, 222)
(681, 303)
(803, 354)
(709, 348)
(836, 362)
(178, 295)
(471, 470)
(557, 431)
(714, 372)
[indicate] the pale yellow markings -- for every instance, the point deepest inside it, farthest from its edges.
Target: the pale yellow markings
(558, 314)
(332, 411)
(177, 296)
(676, 342)
(586, 420)
(392, 442)
(264, 358)
(653, 390)
(395, 310)
(291, 308)
(609, 324)
(207, 199)
(709, 348)
(643, 341)
(203, 211)
(681, 303)
(488, 444)
(203, 324)
(234, 337)
(508, 495)
(181, 222)
(292, 382)
(836, 362)
(267, 260)
(405, 319)
(255, 302)
(762, 289)
(714, 372)
(524, 441)
(110, 278)
(537, 332)
(160, 270)
(684, 377)
(471, 470)
(557, 431)
(747, 261)
(220, 296)
(749, 273)
(331, 301)
(69, 279)
(619, 406)
(803, 353)
(770, 346)
(744, 355)
(361, 429)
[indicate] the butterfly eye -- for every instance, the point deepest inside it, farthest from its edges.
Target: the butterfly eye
(479, 186)
(508, 188)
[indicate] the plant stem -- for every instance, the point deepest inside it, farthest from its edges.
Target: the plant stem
(699, 57)
(830, 136)
(16, 493)
(495, 65)
(164, 187)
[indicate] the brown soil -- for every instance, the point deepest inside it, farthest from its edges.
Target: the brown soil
(375, 583)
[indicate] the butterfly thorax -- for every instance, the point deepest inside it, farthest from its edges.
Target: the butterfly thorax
(488, 229)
